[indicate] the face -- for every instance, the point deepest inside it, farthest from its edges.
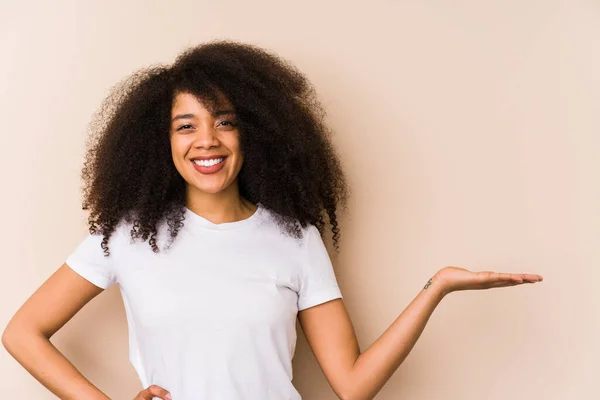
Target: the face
(205, 145)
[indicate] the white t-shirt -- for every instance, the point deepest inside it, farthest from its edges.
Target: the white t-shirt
(213, 316)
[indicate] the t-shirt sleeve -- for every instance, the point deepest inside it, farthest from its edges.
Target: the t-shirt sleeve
(318, 283)
(88, 260)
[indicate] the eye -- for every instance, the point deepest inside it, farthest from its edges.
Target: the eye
(227, 123)
(186, 126)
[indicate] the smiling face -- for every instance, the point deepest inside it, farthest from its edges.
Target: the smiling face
(205, 146)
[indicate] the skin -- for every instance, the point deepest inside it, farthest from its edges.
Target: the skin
(197, 132)
(327, 327)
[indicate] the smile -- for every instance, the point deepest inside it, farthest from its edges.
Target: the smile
(209, 166)
(209, 163)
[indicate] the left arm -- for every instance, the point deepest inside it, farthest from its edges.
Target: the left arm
(353, 375)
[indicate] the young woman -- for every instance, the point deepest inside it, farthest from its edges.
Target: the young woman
(210, 184)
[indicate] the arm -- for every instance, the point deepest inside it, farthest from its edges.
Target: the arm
(27, 335)
(353, 375)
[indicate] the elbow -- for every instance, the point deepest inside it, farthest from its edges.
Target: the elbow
(349, 393)
(9, 337)
(354, 392)
(13, 337)
(347, 387)
(349, 396)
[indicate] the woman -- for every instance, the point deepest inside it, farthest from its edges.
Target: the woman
(210, 184)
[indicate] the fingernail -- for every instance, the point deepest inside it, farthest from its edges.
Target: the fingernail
(168, 396)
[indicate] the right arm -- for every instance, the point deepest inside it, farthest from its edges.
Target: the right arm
(27, 335)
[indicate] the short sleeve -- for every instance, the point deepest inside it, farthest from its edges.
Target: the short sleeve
(88, 260)
(318, 283)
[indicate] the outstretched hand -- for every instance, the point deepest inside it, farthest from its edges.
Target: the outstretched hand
(454, 279)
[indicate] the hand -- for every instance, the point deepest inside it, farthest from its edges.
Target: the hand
(151, 392)
(454, 279)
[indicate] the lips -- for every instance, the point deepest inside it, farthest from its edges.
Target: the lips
(212, 169)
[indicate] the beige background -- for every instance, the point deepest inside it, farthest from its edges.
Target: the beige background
(469, 133)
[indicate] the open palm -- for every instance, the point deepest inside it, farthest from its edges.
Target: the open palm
(454, 279)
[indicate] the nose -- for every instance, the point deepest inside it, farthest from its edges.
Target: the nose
(206, 137)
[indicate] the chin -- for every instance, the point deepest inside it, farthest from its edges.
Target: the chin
(208, 189)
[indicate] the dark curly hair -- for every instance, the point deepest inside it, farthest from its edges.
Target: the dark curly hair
(290, 165)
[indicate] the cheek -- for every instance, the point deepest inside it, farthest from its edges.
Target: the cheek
(178, 152)
(235, 147)
(239, 159)
(178, 146)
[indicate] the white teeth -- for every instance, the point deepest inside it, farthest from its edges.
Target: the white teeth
(208, 163)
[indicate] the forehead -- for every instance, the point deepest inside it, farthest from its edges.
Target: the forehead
(190, 102)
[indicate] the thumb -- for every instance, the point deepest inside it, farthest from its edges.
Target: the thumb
(155, 391)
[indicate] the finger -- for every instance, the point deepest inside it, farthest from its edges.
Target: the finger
(155, 391)
(488, 277)
(508, 277)
(526, 278)
(508, 283)
(532, 277)
(500, 284)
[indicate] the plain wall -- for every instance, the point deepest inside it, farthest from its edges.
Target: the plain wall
(469, 134)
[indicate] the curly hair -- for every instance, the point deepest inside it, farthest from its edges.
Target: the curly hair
(290, 165)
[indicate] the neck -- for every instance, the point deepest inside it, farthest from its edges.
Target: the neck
(221, 207)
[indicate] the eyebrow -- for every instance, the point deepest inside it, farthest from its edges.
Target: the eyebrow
(218, 113)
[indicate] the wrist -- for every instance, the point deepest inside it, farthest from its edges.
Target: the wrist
(440, 284)
(435, 288)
